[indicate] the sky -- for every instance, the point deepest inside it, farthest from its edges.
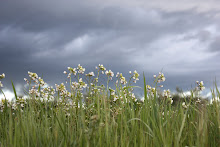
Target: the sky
(181, 38)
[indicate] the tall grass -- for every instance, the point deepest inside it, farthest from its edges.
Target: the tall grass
(104, 119)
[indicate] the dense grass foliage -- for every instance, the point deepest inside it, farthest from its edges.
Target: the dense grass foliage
(96, 115)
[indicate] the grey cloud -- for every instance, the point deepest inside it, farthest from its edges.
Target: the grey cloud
(215, 45)
(47, 36)
(202, 35)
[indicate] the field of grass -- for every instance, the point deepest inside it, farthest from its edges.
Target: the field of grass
(92, 114)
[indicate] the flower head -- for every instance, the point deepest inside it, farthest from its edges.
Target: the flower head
(166, 93)
(90, 74)
(81, 69)
(109, 73)
(75, 85)
(33, 76)
(161, 77)
(82, 84)
(42, 83)
(101, 67)
(72, 71)
(121, 78)
(135, 76)
(184, 105)
(34, 91)
(2, 76)
(63, 91)
(200, 85)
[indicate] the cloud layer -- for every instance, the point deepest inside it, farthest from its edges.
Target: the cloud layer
(46, 36)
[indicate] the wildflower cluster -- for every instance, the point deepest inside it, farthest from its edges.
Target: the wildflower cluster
(80, 69)
(72, 71)
(83, 92)
(82, 84)
(48, 93)
(18, 104)
(101, 67)
(200, 86)
(61, 89)
(135, 76)
(160, 78)
(33, 92)
(151, 90)
(167, 95)
(33, 76)
(41, 81)
(126, 95)
(38, 80)
(109, 74)
(77, 88)
(121, 78)
(90, 74)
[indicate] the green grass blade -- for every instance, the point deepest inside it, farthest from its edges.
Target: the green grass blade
(16, 97)
(145, 90)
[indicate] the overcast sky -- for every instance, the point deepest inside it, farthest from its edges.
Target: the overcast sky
(47, 36)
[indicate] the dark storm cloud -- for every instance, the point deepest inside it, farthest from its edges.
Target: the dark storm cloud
(47, 36)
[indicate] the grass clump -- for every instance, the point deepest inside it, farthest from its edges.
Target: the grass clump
(88, 113)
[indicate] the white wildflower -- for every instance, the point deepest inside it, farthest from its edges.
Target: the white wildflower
(72, 71)
(2, 76)
(90, 74)
(135, 76)
(184, 105)
(109, 73)
(200, 85)
(80, 69)
(101, 67)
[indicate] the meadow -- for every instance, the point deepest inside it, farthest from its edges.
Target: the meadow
(85, 111)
